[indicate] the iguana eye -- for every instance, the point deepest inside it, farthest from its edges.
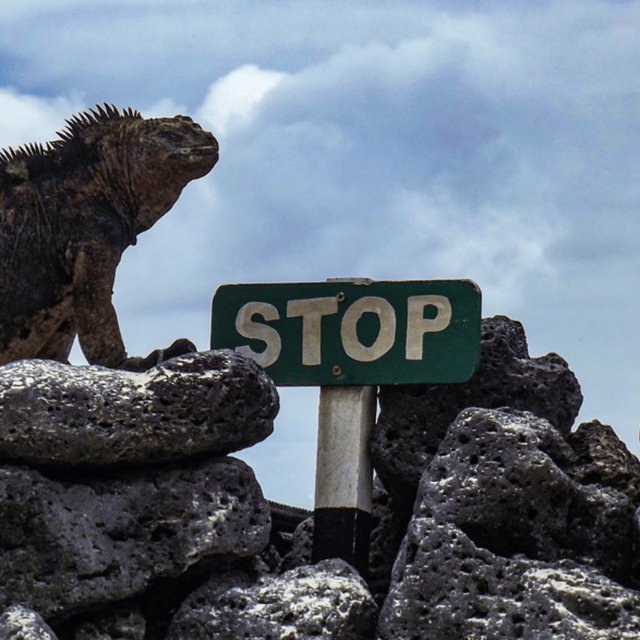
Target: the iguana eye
(171, 136)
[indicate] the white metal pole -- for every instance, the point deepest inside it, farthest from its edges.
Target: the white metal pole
(344, 475)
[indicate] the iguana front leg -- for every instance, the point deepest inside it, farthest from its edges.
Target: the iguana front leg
(178, 348)
(94, 271)
(58, 347)
(95, 317)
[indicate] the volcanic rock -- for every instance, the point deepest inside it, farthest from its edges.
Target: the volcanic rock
(19, 623)
(70, 544)
(505, 544)
(414, 418)
(328, 600)
(388, 527)
(449, 588)
(212, 402)
(122, 621)
(602, 458)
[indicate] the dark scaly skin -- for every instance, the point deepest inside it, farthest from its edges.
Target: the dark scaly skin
(67, 213)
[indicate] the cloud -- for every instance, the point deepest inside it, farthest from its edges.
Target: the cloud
(232, 100)
(435, 156)
(482, 140)
(128, 52)
(383, 162)
(503, 249)
(29, 118)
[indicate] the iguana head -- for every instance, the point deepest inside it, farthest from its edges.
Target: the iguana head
(179, 143)
(164, 155)
(139, 165)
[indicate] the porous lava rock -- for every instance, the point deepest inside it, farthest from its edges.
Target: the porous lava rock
(20, 623)
(300, 552)
(413, 419)
(388, 526)
(212, 402)
(602, 458)
(117, 622)
(449, 588)
(505, 544)
(329, 600)
(69, 544)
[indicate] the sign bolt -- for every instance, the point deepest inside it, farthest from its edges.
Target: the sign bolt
(336, 370)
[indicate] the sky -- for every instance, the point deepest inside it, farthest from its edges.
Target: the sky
(484, 140)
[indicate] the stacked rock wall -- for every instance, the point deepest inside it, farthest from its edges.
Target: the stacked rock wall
(495, 519)
(120, 509)
(122, 516)
(520, 528)
(414, 419)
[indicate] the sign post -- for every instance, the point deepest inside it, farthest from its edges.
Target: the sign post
(344, 476)
(348, 336)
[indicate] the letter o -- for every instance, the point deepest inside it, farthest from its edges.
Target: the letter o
(386, 337)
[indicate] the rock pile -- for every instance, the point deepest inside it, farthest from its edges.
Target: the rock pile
(329, 600)
(117, 499)
(414, 418)
(210, 403)
(503, 541)
(122, 517)
(520, 528)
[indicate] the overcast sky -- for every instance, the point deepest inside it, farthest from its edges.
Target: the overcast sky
(495, 141)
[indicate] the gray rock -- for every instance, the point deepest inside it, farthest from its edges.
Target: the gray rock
(414, 418)
(212, 402)
(121, 622)
(449, 588)
(388, 527)
(328, 600)
(20, 623)
(71, 544)
(285, 519)
(301, 552)
(505, 544)
(602, 458)
(501, 477)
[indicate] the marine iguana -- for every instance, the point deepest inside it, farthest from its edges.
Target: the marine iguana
(68, 210)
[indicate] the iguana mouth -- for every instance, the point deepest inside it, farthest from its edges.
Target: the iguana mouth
(208, 150)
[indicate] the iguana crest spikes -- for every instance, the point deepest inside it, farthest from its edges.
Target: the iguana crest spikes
(69, 208)
(79, 122)
(75, 126)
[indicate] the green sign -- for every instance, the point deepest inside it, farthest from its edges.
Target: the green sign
(353, 332)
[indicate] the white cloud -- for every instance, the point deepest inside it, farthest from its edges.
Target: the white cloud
(502, 249)
(382, 162)
(27, 118)
(498, 143)
(232, 100)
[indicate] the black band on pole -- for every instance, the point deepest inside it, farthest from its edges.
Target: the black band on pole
(342, 533)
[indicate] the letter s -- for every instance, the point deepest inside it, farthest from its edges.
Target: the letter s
(247, 328)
